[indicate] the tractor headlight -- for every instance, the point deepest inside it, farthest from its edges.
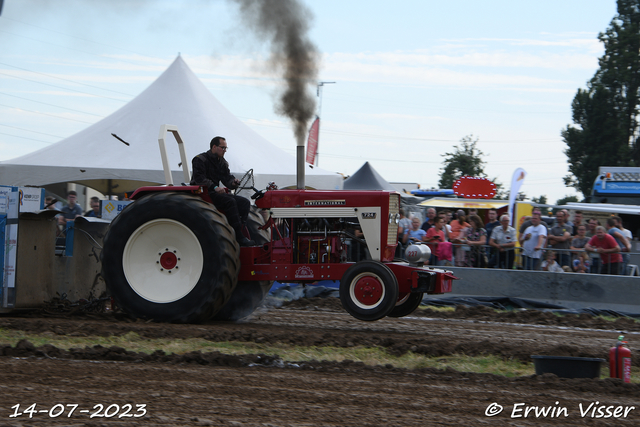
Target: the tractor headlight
(397, 218)
(391, 216)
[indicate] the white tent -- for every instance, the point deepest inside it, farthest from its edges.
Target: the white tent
(603, 207)
(93, 157)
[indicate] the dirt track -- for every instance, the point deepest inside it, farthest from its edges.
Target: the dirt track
(215, 389)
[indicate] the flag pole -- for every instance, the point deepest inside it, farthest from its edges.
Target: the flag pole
(319, 94)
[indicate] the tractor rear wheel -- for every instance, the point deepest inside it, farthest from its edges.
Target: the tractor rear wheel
(246, 297)
(406, 304)
(368, 290)
(170, 257)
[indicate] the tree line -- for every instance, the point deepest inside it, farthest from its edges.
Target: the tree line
(605, 115)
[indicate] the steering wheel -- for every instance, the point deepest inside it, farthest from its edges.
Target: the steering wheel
(247, 183)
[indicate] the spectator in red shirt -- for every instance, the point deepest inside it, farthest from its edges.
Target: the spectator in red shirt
(608, 249)
(435, 236)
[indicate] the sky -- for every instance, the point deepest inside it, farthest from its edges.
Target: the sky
(412, 77)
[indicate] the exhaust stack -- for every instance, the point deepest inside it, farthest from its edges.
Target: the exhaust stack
(300, 164)
(285, 25)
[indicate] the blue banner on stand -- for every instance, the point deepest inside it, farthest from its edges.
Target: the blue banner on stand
(3, 224)
(70, 231)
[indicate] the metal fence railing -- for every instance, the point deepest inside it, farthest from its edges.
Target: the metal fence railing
(547, 259)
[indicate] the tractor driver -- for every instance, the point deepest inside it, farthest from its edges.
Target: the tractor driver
(211, 170)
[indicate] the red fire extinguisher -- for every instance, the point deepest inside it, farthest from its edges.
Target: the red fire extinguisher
(620, 361)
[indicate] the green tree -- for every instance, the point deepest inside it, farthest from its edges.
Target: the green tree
(542, 200)
(501, 192)
(605, 114)
(520, 197)
(566, 199)
(466, 160)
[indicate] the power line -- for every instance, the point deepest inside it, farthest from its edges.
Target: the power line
(334, 94)
(70, 48)
(63, 79)
(29, 130)
(45, 42)
(46, 114)
(63, 88)
(75, 37)
(377, 159)
(367, 99)
(51, 105)
(24, 137)
(392, 137)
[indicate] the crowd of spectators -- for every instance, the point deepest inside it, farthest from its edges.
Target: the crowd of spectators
(71, 210)
(463, 239)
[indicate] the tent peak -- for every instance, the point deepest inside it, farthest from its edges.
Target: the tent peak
(367, 178)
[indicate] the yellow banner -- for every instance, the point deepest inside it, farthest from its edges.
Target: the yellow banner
(464, 203)
(523, 210)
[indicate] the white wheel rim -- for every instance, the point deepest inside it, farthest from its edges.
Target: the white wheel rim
(162, 261)
(357, 300)
(403, 299)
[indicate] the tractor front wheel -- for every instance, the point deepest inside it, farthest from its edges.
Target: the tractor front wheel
(170, 257)
(368, 290)
(406, 304)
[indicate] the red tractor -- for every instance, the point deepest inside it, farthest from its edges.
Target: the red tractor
(171, 256)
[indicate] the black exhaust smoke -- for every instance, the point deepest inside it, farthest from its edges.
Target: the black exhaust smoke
(285, 23)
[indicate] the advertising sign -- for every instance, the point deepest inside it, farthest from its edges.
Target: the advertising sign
(10, 251)
(30, 199)
(4, 198)
(111, 208)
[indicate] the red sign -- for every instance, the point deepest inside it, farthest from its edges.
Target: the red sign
(472, 187)
(312, 142)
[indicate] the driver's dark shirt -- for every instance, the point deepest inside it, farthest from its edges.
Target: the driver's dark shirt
(209, 170)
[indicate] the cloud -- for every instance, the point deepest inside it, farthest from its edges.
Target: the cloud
(392, 116)
(495, 59)
(547, 62)
(404, 75)
(585, 41)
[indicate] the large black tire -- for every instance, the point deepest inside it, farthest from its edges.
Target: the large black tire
(246, 297)
(254, 222)
(170, 257)
(406, 305)
(368, 290)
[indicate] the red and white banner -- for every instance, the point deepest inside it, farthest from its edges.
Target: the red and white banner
(312, 142)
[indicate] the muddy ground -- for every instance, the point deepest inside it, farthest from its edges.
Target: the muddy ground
(262, 390)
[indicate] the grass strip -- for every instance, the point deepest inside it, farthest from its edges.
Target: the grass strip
(368, 355)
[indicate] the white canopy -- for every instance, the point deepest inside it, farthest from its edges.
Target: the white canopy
(93, 157)
(604, 207)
